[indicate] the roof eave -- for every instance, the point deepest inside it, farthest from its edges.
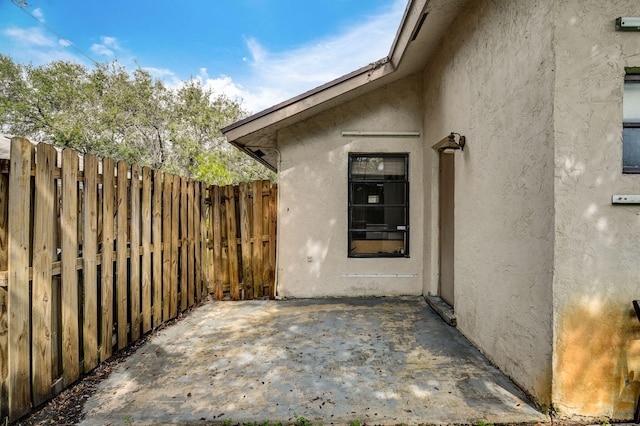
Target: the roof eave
(307, 100)
(410, 25)
(255, 156)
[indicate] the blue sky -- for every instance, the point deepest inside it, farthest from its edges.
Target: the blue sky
(260, 52)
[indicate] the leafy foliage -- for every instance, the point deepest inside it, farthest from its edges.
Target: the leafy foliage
(126, 116)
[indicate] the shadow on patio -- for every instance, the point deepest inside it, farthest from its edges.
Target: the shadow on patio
(331, 361)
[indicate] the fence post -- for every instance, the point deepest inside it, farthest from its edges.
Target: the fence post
(18, 286)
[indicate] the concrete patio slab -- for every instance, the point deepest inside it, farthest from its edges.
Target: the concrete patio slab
(331, 361)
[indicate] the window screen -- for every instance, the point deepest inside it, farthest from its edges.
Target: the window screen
(378, 205)
(631, 125)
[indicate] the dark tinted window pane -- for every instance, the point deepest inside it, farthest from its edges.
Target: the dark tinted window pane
(631, 149)
(378, 193)
(378, 168)
(378, 217)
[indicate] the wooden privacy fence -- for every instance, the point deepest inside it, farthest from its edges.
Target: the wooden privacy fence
(93, 256)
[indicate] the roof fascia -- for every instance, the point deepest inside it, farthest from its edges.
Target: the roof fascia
(408, 29)
(308, 100)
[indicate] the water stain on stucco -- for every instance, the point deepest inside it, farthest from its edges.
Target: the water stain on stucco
(597, 359)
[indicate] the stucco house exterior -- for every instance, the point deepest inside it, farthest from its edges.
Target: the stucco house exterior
(520, 231)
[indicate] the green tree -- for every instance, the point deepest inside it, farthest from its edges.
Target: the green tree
(126, 116)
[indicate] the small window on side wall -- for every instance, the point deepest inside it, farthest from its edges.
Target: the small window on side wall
(378, 205)
(631, 124)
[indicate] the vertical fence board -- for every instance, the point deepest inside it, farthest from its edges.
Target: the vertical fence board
(184, 245)
(266, 224)
(226, 283)
(232, 243)
(146, 249)
(43, 255)
(4, 355)
(69, 245)
(207, 238)
(90, 264)
(106, 297)
(273, 208)
(258, 282)
(56, 296)
(18, 286)
(156, 230)
(245, 238)
(166, 251)
(4, 331)
(121, 254)
(175, 232)
(134, 258)
(199, 223)
(190, 240)
(215, 235)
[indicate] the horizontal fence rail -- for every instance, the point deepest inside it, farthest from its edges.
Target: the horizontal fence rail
(94, 254)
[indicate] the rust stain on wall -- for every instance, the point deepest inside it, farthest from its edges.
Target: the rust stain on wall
(597, 362)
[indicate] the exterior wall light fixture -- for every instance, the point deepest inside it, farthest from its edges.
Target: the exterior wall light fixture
(449, 145)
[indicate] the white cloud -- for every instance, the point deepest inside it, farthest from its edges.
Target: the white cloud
(222, 85)
(111, 42)
(277, 76)
(101, 50)
(166, 75)
(34, 45)
(38, 14)
(33, 36)
(108, 47)
(225, 85)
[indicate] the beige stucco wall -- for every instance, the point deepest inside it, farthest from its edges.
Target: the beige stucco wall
(597, 256)
(545, 266)
(492, 81)
(312, 219)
